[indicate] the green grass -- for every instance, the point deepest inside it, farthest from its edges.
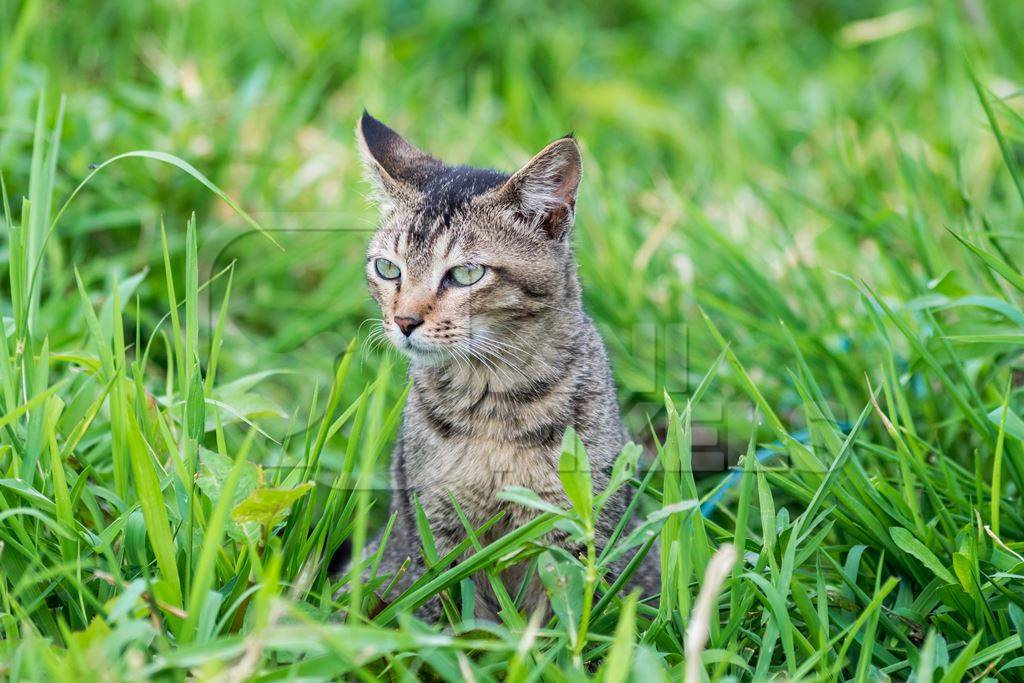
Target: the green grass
(800, 229)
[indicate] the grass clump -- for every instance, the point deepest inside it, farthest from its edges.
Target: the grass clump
(800, 230)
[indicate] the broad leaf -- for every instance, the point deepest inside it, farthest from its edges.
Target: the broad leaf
(264, 506)
(564, 582)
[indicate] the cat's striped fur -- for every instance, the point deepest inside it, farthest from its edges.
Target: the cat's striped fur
(500, 368)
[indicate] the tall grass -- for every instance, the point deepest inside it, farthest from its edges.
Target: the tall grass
(800, 231)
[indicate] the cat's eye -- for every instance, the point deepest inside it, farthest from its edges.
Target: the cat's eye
(386, 269)
(467, 274)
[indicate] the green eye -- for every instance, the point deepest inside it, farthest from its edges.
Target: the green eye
(386, 269)
(465, 275)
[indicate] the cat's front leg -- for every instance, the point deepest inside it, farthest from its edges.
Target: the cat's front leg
(402, 548)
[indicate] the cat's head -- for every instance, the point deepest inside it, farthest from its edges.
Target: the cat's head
(469, 263)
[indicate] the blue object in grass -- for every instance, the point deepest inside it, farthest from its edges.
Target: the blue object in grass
(761, 454)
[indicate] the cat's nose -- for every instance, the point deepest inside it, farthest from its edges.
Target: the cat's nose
(407, 323)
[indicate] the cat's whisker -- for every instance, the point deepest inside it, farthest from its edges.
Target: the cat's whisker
(374, 338)
(459, 355)
(532, 355)
(473, 353)
(555, 308)
(378, 339)
(504, 343)
(517, 369)
(472, 356)
(483, 335)
(500, 348)
(481, 355)
(497, 356)
(521, 357)
(368, 320)
(508, 328)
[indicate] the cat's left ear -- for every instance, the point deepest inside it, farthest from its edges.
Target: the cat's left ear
(543, 191)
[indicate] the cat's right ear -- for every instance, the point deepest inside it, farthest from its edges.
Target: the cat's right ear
(395, 168)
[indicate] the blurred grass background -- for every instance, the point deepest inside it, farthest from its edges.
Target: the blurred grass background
(795, 170)
(737, 154)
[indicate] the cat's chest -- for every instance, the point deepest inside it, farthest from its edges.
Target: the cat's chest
(472, 440)
(476, 469)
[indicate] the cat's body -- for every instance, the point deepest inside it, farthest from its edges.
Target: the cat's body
(500, 366)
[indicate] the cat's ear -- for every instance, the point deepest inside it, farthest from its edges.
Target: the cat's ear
(396, 168)
(543, 191)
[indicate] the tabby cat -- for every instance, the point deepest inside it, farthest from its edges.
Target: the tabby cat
(476, 279)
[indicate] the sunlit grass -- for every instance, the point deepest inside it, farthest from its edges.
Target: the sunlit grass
(800, 230)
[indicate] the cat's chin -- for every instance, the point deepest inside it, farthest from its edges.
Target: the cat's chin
(424, 355)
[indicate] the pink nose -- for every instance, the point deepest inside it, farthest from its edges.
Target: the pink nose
(407, 323)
